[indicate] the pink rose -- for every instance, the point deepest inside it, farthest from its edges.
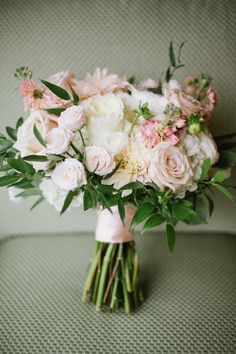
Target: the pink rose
(58, 140)
(170, 167)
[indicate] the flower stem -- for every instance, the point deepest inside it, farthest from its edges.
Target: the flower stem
(102, 282)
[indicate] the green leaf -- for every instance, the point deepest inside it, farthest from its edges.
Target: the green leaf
(143, 211)
(170, 234)
(153, 221)
(229, 155)
(55, 111)
(28, 193)
(38, 158)
(105, 188)
(121, 209)
(211, 204)
(39, 136)
(205, 168)
(219, 177)
(7, 180)
(88, 199)
(171, 54)
(5, 145)
(68, 201)
(12, 133)
(38, 201)
(224, 191)
(57, 90)
(168, 75)
(112, 172)
(75, 96)
(21, 166)
(19, 123)
(132, 185)
(202, 207)
(184, 213)
(23, 183)
(180, 48)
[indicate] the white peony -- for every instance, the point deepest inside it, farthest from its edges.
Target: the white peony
(58, 140)
(69, 174)
(116, 142)
(156, 103)
(99, 160)
(56, 196)
(72, 118)
(104, 115)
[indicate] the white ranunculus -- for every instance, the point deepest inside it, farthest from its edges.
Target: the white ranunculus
(99, 160)
(56, 196)
(58, 140)
(72, 118)
(69, 174)
(156, 103)
(170, 167)
(208, 147)
(201, 146)
(27, 143)
(104, 115)
(13, 192)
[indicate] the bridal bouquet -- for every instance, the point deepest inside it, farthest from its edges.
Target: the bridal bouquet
(136, 152)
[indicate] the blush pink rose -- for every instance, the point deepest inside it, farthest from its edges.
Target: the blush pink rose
(170, 167)
(69, 174)
(99, 160)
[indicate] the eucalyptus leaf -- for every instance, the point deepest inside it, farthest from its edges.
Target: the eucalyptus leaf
(57, 90)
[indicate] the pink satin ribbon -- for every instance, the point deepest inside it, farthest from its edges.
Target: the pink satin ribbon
(110, 228)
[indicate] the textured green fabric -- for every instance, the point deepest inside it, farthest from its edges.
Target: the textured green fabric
(127, 36)
(190, 306)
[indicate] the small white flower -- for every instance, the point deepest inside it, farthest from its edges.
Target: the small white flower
(99, 160)
(56, 196)
(69, 174)
(156, 103)
(58, 140)
(72, 118)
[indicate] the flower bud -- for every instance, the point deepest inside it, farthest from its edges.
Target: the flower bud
(194, 128)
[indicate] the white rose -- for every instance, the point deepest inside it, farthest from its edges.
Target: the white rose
(170, 167)
(26, 141)
(99, 160)
(69, 174)
(13, 192)
(72, 118)
(58, 140)
(156, 103)
(56, 196)
(104, 115)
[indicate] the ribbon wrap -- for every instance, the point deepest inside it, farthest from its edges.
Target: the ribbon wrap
(110, 228)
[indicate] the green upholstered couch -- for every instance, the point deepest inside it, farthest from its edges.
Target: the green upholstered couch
(191, 296)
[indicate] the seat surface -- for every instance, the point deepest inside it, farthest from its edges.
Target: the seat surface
(189, 307)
